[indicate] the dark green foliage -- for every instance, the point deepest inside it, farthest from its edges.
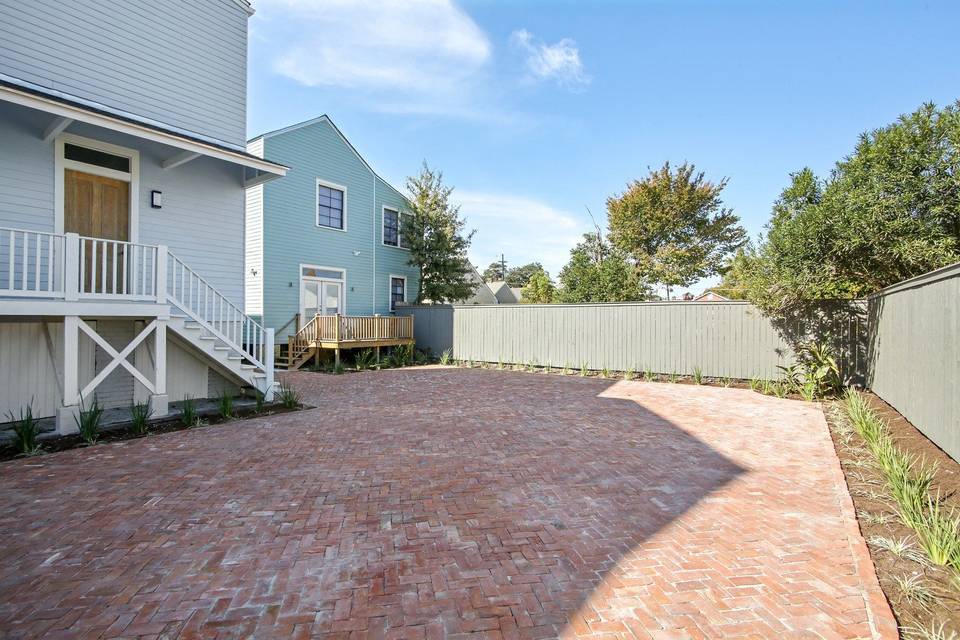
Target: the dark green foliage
(139, 416)
(188, 409)
(88, 422)
(673, 225)
(366, 359)
(225, 405)
(437, 241)
(520, 276)
(598, 272)
(888, 212)
(289, 397)
(26, 430)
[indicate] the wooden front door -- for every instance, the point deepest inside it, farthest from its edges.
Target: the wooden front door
(97, 207)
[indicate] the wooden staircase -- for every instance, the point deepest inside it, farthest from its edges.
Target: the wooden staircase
(343, 332)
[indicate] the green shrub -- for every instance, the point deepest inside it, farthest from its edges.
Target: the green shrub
(648, 375)
(140, 413)
(604, 373)
(445, 357)
(673, 378)
(628, 374)
(225, 405)
(188, 412)
(366, 359)
(88, 422)
(26, 431)
(939, 534)
(583, 370)
(697, 375)
(500, 363)
(259, 399)
(566, 369)
(289, 397)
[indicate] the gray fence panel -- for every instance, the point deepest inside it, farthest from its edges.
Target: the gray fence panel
(914, 353)
(728, 339)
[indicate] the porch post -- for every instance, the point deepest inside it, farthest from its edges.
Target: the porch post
(69, 410)
(71, 267)
(268, 364)
(159, 405)
(161, 281)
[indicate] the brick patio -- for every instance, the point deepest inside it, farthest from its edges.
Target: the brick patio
(435, 502)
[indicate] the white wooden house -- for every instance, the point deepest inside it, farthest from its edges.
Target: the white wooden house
(123, 171)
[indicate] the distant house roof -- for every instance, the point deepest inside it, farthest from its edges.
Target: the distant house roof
(481, 292)
(503, 292)
(517, 293)
(710, 296)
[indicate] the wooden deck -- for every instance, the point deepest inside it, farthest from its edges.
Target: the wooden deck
(346, 332)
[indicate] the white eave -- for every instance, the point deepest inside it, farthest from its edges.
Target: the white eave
(68, 109)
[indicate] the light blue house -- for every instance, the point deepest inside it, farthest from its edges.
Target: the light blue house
(328, 238)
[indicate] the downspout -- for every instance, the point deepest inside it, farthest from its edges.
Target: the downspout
(374, 312)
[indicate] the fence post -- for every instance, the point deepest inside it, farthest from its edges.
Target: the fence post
(161, 280)
(71, 267)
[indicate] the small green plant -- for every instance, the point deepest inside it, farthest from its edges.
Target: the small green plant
(225, 405)
(258, 399)
(26, 431)
(583, 370)
(697, 375)
(933, 632)
(648, 375)
(939, 534)
(876, 517)
(88, 421)
(366, 359)
(500, 364)
(628, 374)
(727, 382)
(140, 413)
(780, 389)
(900, 547)
(445, 357)
(605, 373)
(338, 368)
(673, 378)
(289, 397)
(531, 366)
(566, 369)
(808, 391)
(188, 412)
(915, 589)
(755, 384)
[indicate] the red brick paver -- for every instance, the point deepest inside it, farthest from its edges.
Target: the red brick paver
(436, 502)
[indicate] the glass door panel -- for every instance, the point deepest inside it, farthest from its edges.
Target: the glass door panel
(331, 298)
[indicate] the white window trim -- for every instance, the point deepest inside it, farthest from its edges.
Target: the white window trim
(61, 164)
(390, 289)
(316, 204)
(342, 281)
(383, 218)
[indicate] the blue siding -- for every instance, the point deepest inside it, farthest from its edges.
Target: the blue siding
(292, 237)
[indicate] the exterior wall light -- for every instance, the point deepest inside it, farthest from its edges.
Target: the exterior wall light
(156, 199)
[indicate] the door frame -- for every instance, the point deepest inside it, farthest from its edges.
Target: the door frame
(61, 164)
(390, 290)
(342, 281)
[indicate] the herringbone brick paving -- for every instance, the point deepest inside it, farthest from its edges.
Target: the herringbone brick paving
(427, 503)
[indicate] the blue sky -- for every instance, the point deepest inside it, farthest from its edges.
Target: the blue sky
(537, 111)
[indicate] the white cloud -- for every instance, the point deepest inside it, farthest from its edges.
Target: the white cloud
(522, 228)
(407, 46)
(559, 62)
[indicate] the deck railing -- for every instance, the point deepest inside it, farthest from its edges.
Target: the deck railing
(31, 263)
(72, 267)
(349, 332)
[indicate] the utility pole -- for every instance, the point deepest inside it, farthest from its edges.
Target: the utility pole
(503, 268)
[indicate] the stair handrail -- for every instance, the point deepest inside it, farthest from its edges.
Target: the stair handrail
(216, 313)
(303, 339)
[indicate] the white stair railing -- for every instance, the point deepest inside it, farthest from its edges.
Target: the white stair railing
(203, 303)
(31, 263)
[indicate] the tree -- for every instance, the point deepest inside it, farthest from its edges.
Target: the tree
(495, 272)
(888, 212)
(539, 289)
(520, 276)
(598, 272)
(735, 274)
(436, 238)
(674, 226)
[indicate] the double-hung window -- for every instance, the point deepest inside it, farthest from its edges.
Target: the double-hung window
(394, 226)
(398, 291)
(331, 206)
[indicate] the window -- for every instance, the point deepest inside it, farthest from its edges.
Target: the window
(398, 291)
(96, 157)
(391, 227)
(394, 224)
(320, 272)
(330, 201)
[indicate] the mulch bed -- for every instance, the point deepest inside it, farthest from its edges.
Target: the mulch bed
(119, 433)
(877, 517)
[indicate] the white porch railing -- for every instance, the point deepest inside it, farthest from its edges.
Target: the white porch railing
(31, 263)
(72, 267)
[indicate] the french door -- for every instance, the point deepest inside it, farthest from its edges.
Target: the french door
(320, 297)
